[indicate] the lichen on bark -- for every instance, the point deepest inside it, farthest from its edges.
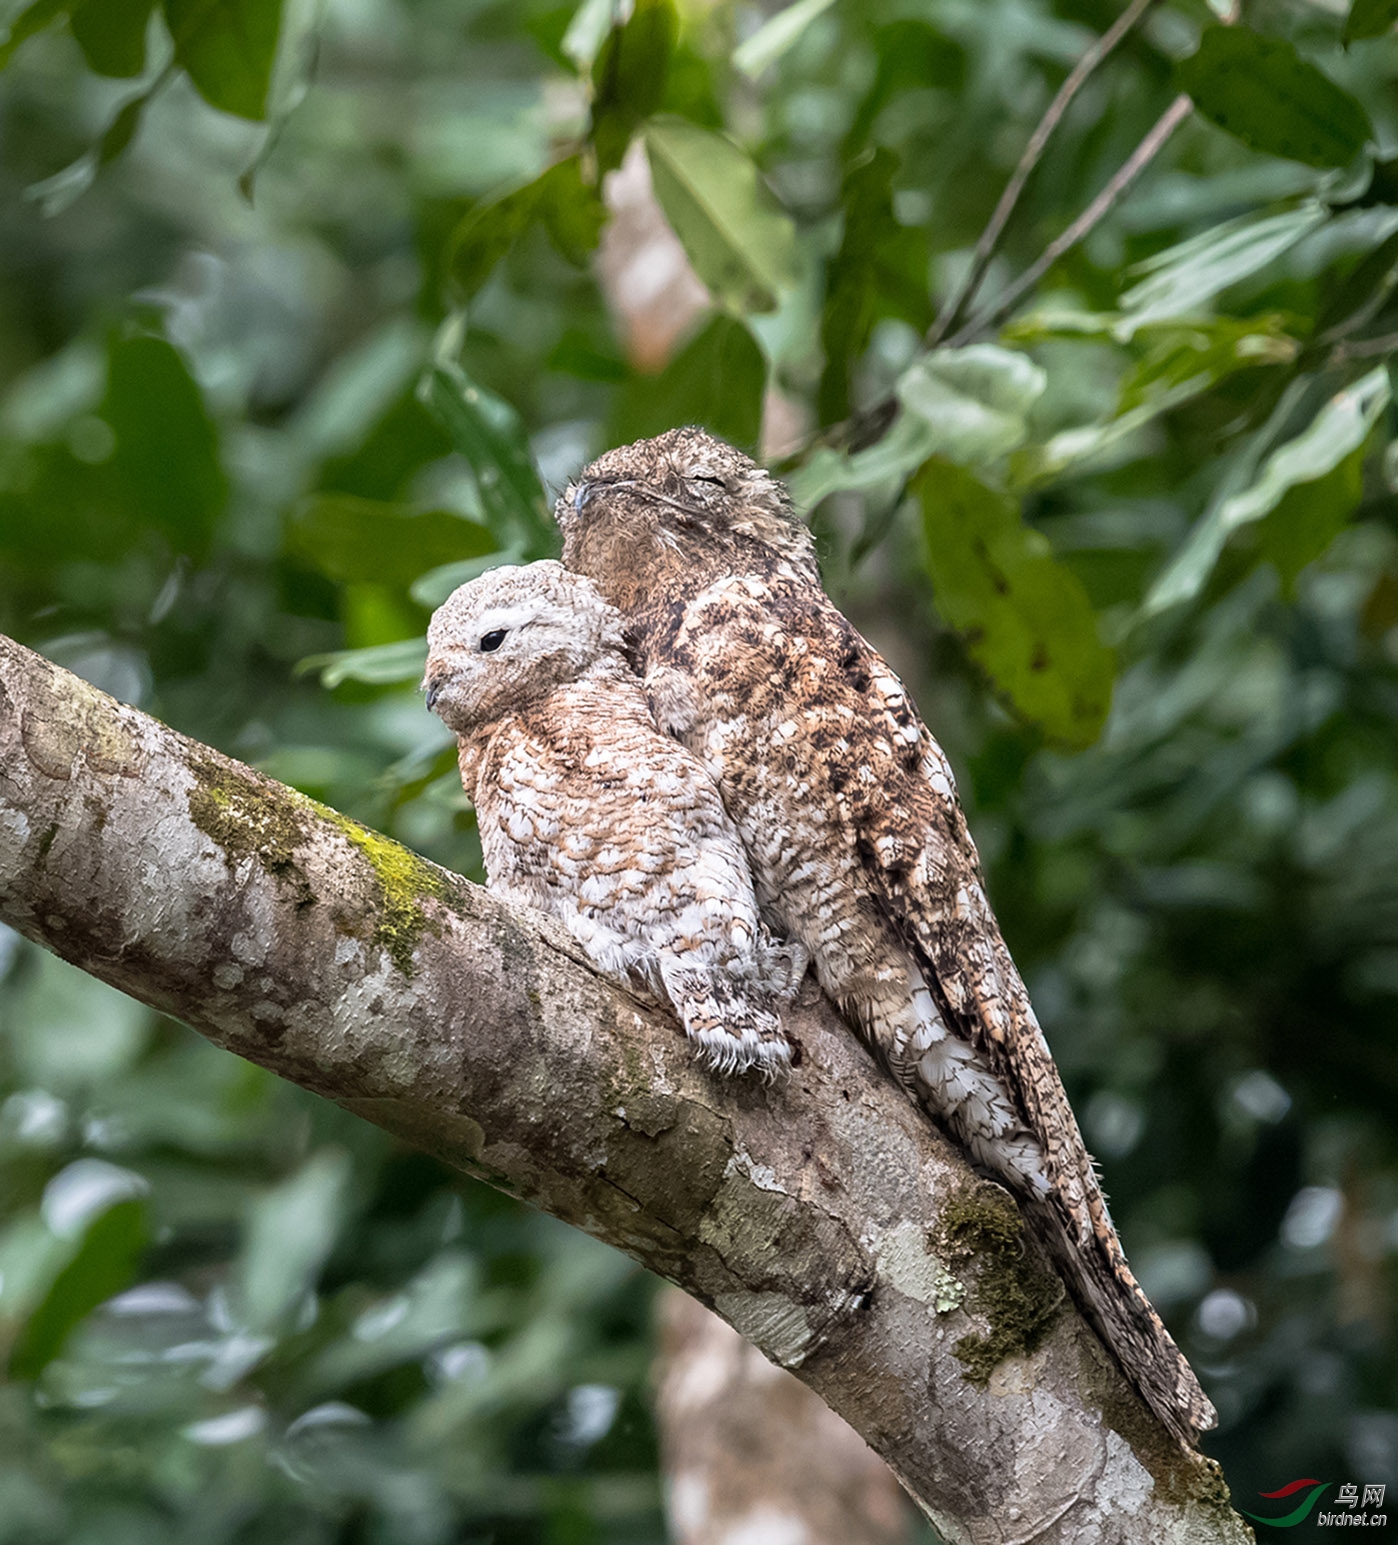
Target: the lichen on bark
(1011, 1290)
(254, 819)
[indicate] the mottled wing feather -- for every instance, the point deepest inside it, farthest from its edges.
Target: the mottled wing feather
(768, 661)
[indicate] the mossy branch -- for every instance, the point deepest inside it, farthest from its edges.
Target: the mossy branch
(819, 1216)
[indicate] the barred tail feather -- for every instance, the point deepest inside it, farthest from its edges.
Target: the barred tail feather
(1114, 1303)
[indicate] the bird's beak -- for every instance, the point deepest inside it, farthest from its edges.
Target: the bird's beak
(432, 686)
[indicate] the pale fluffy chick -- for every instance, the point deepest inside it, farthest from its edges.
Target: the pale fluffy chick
(587, 812)
(857, 841)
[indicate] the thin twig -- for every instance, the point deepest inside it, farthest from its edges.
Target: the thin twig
(1088, 220)
(1363, 348)
(953, 313)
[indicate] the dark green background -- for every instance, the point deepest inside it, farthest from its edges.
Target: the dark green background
(1168, 485)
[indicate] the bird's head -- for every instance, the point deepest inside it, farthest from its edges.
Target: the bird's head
(510, 637)
(680, 501)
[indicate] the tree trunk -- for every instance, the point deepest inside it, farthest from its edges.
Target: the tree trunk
(820, 1216)
(749, 1453)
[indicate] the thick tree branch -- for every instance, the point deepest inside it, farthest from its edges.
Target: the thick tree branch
(819, 1216)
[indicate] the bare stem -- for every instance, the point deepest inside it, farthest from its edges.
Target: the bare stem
(953, 313)
(1087, 221)
(1363, 348)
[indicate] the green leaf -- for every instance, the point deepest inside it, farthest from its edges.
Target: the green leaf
(380, 665)
(98, 1214)
(587, 31)
(1201, 353)
(975, 401)
(1183, 277)
(1361, 296)
(741, 245)
(880, 269)
(1026, 619)
(1261, 91)
(122, 129)
(717, 380)
(112, 34)
(350, 539)
(289, 1235)
(166, 457)
(629, 78)
(33, 19)
(1338, 430)
(569, 209)
(1370, 19)
(967, 404)
(228, 48)
(491, 437)
(432, 588)
(1309, 516)
(776, 35)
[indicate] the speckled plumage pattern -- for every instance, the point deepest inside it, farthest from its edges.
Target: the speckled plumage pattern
(589, 813)
(859, 848)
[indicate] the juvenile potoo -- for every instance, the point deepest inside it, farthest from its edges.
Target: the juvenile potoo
(589, 813)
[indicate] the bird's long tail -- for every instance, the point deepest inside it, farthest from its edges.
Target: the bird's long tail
(1096, 1273)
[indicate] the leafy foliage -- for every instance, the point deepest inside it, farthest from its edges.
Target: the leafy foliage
(1136, 551)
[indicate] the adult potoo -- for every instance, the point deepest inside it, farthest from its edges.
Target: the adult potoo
(589, 813)
(858, 845)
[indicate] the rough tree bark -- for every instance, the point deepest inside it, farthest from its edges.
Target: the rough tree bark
(819, 1216)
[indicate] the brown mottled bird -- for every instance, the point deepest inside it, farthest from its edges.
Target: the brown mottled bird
(858, 845)
(587, 812)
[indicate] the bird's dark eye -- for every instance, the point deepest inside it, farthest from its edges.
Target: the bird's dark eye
(706, 477)
(491, 641)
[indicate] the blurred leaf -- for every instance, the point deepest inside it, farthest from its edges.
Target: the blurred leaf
(290, 1232)
(1310, 515)
(1090, 445)
(967, 404)
(1370, 19)
(587, 30)
(881, 267)
(776, 35)
(888, 461)
(717, 380)
(489, 434)
(1183, 277)
(122, 129)
(349, 539)
(380, 665)
(741, 245)
(1261, 90)
(431, 1310)
(569, 209)
(103, 1262)
(33, 19)
(1338, 430)
(228, 48)
(1362, 295)
(432, 588)
(112, 34)
(976, 401)
(629, 78)
(1201, 353)
(1025, 618)
(166, 456)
